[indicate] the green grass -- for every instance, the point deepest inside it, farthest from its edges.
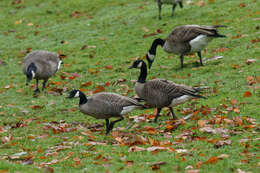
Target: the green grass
(117, 29)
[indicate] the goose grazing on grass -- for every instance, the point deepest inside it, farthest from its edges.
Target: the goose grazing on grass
(173, 2)
(160, 93)
(40, 65)
(105, 105)
(184, 40)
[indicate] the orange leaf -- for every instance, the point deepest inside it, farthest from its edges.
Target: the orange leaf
(201, 3)
(107, 84)
(109, 67)
(247, 94)
(212, 160)
(4, 171)
(242, 5)
(86, 84)
(99, 89)
(202, 123)
(198, 164)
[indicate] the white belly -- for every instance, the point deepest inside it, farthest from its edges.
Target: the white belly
(128, 109)
(180, 100)
(199, 43)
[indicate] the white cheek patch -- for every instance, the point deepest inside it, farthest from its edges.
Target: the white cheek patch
(33, 74)
(140, 64)
(77, 94)
(150, 56)
(60, 62)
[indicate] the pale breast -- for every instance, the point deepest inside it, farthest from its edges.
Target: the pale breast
(139, 89)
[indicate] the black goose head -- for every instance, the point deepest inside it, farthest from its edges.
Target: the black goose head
(143, 73)
(137, 64)
(77, 93)
(74, 93)
(30, 73)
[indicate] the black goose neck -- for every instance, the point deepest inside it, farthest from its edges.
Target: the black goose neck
(82, 98)
(156, 42)
(143, 73)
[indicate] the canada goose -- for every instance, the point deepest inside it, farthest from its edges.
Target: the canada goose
(40, 65)
(184, 40)
(161, 93)
(173, 2)
(105, 105)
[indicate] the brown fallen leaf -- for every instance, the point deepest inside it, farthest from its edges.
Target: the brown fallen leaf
(136, 148)
(6, 139)
(48, 169)
(193, 171)
(156, 166)
(129, 163)
(109, 67)
(202, 123)
(212, 160)
(221, 143)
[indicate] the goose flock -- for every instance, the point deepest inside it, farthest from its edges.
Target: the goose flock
(156, 93)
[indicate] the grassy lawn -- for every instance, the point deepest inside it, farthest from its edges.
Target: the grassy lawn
(100, 40)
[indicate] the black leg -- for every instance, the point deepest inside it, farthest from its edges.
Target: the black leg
(157, 114)
(159, 8)
(37, 87)
(180, 3)
(173, 8)
(199, 54)
(43, 84)
(107, 126)
(111, 125)
(181, 58)
(173, 114)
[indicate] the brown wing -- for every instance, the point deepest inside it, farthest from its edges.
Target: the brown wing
(188, 32)
(160, 92)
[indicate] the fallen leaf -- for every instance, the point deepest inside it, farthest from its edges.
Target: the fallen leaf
(212, 160)
(48, 169)
(201, 3)
(86, 84)
(202, 123)
(221, 143)
(223, 156)
(36, 107)
(247, 94)
(240, 171)
(109, 67)
(193, 171)
(136, 148)
(156, 165)
(18, 155)
(250, 61)
(241, 5)
(151, 149)
(129, 163)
